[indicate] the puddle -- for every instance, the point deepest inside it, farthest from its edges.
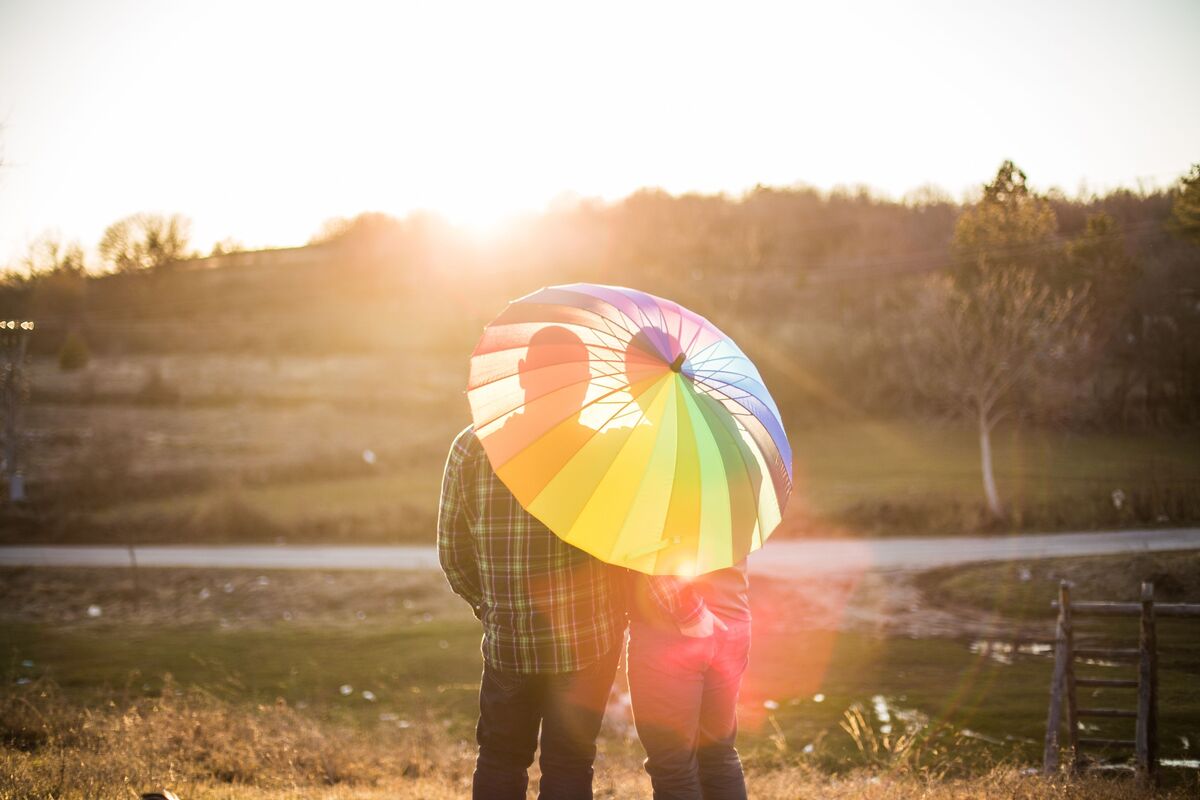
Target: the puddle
(1003, 652)
(970, 734)
(1099, 662)
(1177, 763)
(880, 706)
(886, 712)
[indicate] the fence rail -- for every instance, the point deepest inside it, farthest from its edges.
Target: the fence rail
(1102, 609)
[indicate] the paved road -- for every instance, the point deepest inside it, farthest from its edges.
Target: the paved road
(778, 559)
(787, 558)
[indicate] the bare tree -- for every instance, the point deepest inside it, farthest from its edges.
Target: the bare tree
(145, 242)
(49, 254)
(1006, 343)
(1185, 213)
(57, 279)
(227, 246)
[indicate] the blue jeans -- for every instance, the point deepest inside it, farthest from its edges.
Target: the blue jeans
(567, 706)
(684, 694)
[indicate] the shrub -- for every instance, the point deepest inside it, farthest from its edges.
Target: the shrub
(157, 390)
(74, 353)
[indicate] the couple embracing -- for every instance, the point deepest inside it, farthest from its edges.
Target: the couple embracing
(555, 619)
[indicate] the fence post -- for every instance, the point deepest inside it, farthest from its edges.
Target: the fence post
(1064, 596)
(1146, 737)
(1058, 683)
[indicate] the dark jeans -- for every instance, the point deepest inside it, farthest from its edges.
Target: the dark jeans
(568, 706)
(684, 694)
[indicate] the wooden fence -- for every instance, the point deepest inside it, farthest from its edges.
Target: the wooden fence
(1064, 683)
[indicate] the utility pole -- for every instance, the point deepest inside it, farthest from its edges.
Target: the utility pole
(14, 342)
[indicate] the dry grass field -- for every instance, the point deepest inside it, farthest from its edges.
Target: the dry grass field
(206, 749)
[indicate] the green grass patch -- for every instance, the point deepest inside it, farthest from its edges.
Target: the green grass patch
(1024, 589)
(284, 504)
(380, 508)
(901, 478)
(424, 672)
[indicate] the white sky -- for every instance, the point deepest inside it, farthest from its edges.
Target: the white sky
(260, 120)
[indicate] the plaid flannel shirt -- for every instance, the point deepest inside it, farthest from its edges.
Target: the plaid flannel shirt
(546, 606)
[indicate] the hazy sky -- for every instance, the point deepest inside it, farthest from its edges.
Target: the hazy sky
(260, 120)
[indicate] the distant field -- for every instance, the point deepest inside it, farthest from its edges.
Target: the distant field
(351, 449)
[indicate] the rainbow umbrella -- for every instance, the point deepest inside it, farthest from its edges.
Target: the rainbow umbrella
(632, 427)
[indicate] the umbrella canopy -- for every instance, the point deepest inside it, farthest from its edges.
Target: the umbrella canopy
(632, 427)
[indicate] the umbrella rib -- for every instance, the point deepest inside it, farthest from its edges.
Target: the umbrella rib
(551, 308)
(765, 401)
(688, 405)
(726, 359)
(774, 444)
(737, 399)
(738, 443)
(625, 444)
(590, 361)
(527, 401)
(679, 328)
(711, 375)
(625, 333)
(647, 322)
(733, 398)
(723, 360)
(704, 349)
(728, 390)
(712, 379)
(662, 318)
(695, 336)
(573, 289)
(586, 405)
(621, 314)
(579, 449)
(613, 323)
(524, 345)
(623, 342)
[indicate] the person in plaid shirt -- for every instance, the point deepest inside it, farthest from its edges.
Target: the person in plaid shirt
(546, 606)
(554, 617)
(553, 628)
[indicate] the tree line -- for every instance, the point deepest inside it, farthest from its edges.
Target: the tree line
(865, 303)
